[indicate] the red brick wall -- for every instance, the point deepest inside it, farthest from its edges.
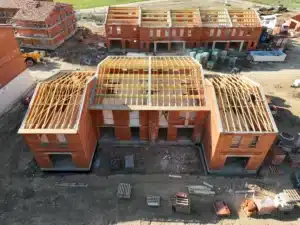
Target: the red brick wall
(198, 36)
(257, 154)
(11, 61)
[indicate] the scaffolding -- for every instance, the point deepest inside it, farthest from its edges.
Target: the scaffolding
(241, 104)
(123, 16)
(56, 102)
(244, 18)
(149, 83)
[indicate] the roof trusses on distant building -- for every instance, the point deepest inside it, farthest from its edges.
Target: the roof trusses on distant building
(215, 18)
(149, 83)
(244, 18)
(155, 18)
(182, 17)
(123, 15)
(185, 18)
(56, 103)
(242, 105)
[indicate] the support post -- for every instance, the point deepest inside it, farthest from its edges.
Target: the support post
(241, 46)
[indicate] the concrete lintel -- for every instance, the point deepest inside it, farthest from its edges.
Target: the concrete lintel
(146, 107)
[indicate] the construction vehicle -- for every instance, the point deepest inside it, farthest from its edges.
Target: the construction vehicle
(32, 58)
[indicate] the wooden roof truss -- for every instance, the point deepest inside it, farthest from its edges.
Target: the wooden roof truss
(57, 102)
(147, 82)
(241, 105)
(215, 18)
(155, 18)
(123, 15)
(182, 17)
(244, 18)
(185, 18)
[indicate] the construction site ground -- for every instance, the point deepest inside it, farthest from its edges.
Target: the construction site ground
(30, 197)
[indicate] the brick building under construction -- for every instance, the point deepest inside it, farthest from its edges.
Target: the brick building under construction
(151, 99)
(159, 29)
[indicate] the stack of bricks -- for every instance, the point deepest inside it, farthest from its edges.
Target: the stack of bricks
(153, 125)
(144, 129)
(121, 122)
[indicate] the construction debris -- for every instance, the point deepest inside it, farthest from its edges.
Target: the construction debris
(124, 191)
(181, 202)
(199, 189)
(263, 11)
(208, 185)
(71, 185)
(153, 200)
(175, 176)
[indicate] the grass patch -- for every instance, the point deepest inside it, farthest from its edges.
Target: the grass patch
(84, 4)
(287, 3)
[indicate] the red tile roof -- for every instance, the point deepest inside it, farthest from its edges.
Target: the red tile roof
(35, 11)
(14, 4)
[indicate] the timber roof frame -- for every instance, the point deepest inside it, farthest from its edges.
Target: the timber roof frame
(196, 17)
(117, 15)
(149, 83)
(244, 18)
(57, 103)
(242, 105)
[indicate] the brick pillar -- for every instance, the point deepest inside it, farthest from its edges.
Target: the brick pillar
(227, 45)
(172, 133)
(121, 118)
(123, 44)
(169, 46)
(144, 133)
(123, 133)
(198, 129)
(43, 160)
(153, 125)
(108, 43)
(80, 160)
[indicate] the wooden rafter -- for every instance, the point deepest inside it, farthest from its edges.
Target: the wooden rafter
(150, 81)
(241, 105)
(57, 103)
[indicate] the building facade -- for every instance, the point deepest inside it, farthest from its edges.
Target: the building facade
(149, 99)
(11, 60)
(155, 29)
(44, 24)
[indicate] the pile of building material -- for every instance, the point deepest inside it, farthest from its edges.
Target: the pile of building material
(272, 10)
(181, 202)
(205, 189)
(153, 200)
(124, 191)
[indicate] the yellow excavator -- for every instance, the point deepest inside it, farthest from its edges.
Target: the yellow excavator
(32, 58)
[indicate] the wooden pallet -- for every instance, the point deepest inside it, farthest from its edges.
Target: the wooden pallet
(293, 195)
